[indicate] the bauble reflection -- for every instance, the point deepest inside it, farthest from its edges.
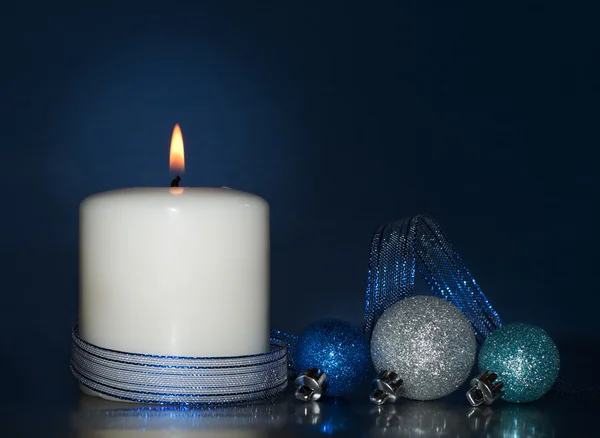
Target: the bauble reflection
(509, 420)
(418, 419)
(330, 417)
(439, 419)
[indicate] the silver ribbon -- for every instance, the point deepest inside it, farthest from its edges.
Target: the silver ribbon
(183, 380)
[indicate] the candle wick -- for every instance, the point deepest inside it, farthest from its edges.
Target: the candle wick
(175, 182)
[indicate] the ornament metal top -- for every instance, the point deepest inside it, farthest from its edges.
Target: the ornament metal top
(484, 389)
(310, 385)
(386, 388)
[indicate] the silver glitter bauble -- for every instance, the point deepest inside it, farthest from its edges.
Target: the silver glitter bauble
(428, 342)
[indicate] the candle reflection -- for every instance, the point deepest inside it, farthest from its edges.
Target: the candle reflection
(98, 418)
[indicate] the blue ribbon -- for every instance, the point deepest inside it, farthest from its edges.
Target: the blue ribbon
(400, 249)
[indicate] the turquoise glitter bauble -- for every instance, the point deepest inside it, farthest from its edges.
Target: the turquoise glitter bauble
(525, 359)
(336, 348)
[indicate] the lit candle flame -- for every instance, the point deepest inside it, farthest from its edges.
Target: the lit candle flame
(177, 160)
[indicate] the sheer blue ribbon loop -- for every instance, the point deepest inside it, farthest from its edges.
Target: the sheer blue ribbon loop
(400, 249)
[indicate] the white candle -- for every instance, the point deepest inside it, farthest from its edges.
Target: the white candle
(175, 271)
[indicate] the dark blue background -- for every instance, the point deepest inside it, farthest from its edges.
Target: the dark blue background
(343, 115)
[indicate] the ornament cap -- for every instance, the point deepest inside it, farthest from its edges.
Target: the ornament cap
(310, 385)
(484, 389)
(386, 388)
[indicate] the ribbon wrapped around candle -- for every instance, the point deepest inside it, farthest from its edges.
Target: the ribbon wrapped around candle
(147, 378)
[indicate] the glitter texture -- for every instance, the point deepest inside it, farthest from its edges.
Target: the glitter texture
(428, 342)
(525, 359)
(336, 348)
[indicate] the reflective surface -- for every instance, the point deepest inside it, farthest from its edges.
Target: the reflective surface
(552, 416)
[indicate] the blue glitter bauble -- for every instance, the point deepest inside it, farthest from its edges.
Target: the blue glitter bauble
(336, 348)
(525, 359)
